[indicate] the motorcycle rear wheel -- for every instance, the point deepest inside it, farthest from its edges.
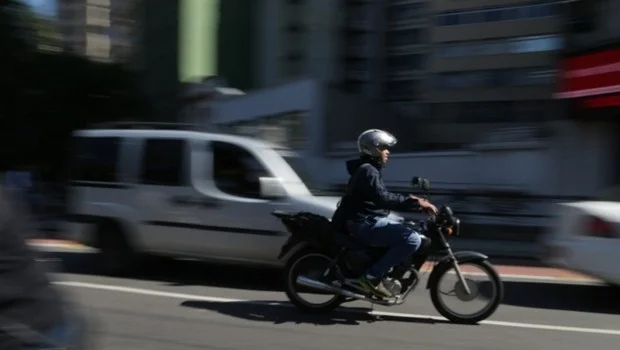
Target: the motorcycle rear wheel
(291, 287)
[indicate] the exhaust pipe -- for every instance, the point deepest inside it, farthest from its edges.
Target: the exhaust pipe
(308, 282)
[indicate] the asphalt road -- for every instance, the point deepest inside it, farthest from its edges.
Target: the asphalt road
(191, 305)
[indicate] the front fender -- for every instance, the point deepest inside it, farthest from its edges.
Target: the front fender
(460, 257)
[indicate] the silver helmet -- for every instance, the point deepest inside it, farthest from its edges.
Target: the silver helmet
(371, 141)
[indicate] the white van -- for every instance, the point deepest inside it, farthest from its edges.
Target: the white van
(140, 189)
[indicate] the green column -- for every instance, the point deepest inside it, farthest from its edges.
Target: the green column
(198, 33)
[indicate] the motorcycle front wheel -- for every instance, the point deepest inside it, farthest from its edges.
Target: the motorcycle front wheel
(492, 291)
(310, 265)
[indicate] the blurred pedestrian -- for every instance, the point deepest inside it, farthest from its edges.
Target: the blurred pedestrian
(33, 314)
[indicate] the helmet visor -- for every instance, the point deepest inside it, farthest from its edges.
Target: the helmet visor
(386, 139)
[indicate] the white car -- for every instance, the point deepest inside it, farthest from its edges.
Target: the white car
(586, 238)
(183, 193)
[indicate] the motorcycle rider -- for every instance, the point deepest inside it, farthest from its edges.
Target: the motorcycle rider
(363, 210)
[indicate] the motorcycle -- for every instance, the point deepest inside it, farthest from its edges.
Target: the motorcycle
(337, 261)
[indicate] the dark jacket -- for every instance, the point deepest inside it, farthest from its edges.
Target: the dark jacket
(366, 195)
(27, 298)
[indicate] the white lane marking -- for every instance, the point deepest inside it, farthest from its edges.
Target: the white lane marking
(516, 324)
(157, 293)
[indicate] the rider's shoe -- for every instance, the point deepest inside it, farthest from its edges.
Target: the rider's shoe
(375, 285)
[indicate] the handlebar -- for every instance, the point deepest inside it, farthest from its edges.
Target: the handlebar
(444, 218)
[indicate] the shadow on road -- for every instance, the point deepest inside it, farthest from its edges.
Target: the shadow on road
(551, 296)
(278, 313)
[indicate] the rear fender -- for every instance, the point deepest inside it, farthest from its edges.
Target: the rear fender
(461, 257)
(289, 250)
(299, 237)
(294, 245)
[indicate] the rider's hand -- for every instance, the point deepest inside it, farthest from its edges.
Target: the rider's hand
(425, 205)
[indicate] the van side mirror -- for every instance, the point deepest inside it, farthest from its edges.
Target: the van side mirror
(272, 188)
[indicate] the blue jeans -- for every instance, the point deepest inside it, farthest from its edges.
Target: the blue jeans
(384, 232)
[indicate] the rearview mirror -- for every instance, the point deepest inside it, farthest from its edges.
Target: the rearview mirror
(272, 188)
(421, 183)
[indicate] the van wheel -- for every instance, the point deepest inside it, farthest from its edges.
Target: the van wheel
(116, 256)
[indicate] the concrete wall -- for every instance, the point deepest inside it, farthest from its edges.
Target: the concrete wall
(485, 187)
(515, 169)
(303, 95)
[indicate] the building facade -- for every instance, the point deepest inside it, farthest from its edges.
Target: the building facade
(407, 46)
(458, 70)
(297, 39)
(184, 41)
(98, 29)
(589, 91)
(491, 65)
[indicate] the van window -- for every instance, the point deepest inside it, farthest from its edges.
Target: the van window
(236, 171)
(163, 162)
(95, 159)
(296, 162)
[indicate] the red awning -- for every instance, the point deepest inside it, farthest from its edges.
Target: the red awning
(601, 101)
(590, 75)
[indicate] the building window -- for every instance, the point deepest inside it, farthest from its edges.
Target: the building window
(525, 77)
(497, 14)
(295, 28)
(404, 37)
(359, 13)
(236, 171)
(460, 80)
(293, 65)
(404, 62)
(163, 162)
(105, 3)
(358, 39)
(526, 44)
(353, 86)
(406, 12)
(401, 90)
(97, 16)
(97, 45)
(496, 78)
(490, 112)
